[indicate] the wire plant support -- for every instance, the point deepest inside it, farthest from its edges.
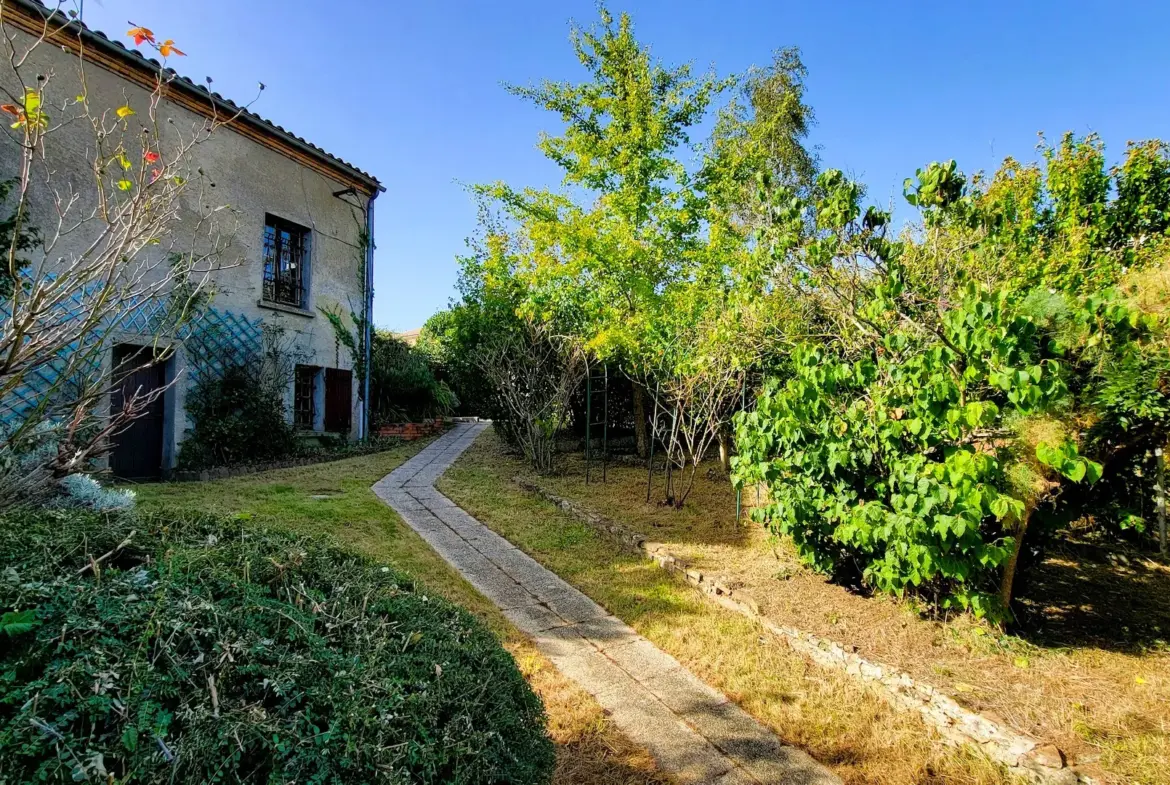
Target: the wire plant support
(596, 384)
(650, 447)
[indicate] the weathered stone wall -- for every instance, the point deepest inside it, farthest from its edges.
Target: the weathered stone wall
(249, 178)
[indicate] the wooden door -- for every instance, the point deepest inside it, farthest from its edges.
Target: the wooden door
(138, 450)
(338, 400)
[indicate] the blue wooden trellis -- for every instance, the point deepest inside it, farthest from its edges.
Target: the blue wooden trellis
(214, 341)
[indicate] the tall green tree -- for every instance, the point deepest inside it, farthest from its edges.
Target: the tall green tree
(629, 220)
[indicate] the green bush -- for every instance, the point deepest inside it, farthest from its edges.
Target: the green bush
(972, 384)
(237, 418)
(403, 387)
(202, 650)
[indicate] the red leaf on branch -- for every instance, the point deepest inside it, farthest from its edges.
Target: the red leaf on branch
(12, 110)
(150, 156)
(140, 34)
(168, 48)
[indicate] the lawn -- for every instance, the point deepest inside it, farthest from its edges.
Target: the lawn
(333, 501)
(836, 720)
(1088, 668)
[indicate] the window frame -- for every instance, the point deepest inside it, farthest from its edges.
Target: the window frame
(284, 283)
(305, 381)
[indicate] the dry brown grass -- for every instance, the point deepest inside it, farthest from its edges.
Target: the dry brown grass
(590, 749)
(835, 719)
(1089, 671)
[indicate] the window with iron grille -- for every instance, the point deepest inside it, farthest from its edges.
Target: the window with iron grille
(286, 262)
(304, 409)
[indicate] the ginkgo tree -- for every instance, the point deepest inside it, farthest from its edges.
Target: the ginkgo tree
(86, 256)
(640, 245)
(626, 224)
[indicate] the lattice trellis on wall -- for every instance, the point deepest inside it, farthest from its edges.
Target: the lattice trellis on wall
(213, 340)
(218, 340)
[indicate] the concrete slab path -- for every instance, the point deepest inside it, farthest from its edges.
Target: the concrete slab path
(692, 730)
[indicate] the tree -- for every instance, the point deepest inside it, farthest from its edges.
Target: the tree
(535, 375)
(922, 435)
(108, 258)
(403, 387)
(760, 137)
(637, 223)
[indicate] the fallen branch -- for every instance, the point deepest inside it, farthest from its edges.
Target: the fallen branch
(214, 696)
(94, 563)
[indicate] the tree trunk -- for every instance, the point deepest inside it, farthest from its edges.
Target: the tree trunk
(725, 450)
(640, 436)
(1009, 569)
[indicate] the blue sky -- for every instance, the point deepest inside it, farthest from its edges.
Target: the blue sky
(411, 91)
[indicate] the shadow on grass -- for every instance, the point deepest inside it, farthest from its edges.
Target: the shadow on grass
(1082, 595)
(1078, 596)
(707, 517)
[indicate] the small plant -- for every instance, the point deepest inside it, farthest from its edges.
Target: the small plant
(403, 387)
(238, 418)
(80, 491)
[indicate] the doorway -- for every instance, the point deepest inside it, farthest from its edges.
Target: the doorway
(138, 449)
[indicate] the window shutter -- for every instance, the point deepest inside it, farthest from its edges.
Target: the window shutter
(338, 400)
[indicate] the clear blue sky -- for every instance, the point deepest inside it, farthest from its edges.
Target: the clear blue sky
(411, 91)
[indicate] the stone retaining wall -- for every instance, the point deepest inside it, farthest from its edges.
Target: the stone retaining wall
(957, 725)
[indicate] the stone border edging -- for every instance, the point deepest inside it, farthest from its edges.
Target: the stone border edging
(956, 725)
(240, 470)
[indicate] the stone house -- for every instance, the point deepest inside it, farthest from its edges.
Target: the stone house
(299, 240)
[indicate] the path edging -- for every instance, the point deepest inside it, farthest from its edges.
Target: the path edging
(955, 724)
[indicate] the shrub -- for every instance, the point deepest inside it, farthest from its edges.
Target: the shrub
(450, 341)
(84, 492)
(921, 477)
(204, 651)
(403, 387)
(238, 418)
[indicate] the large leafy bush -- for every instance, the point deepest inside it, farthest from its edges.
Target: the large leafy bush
(205, 651)
(237, 417)
(403, 385)
(917, 463)
(955, 386)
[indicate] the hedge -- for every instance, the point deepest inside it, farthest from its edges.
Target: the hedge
(209, 650)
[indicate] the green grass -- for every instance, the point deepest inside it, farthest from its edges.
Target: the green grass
(351, 517)
(590, 751)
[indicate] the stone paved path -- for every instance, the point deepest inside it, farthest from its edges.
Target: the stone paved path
(692, 730)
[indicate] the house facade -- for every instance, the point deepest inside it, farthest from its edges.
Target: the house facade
(298, 221)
